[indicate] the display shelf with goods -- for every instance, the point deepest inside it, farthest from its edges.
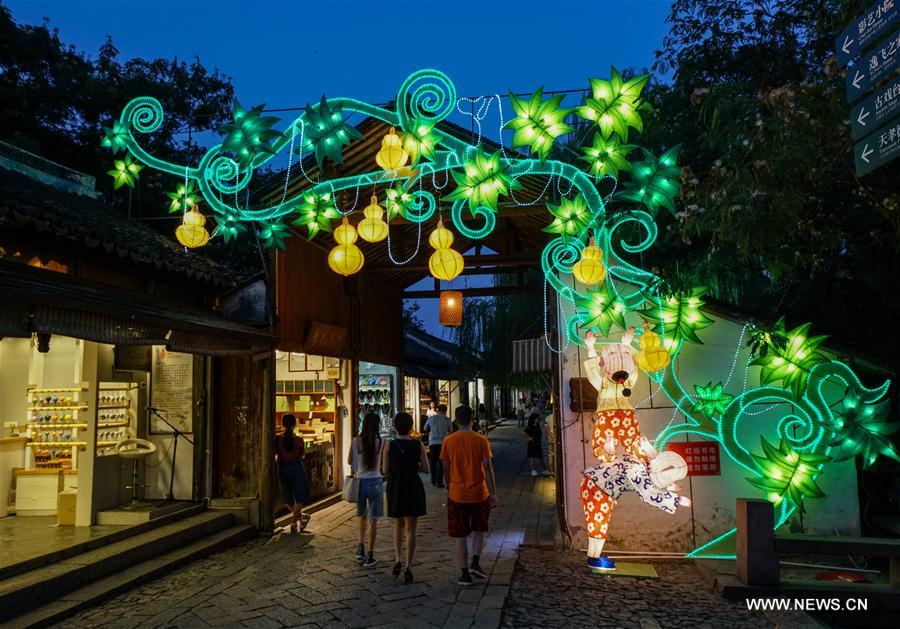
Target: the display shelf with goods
(116, 415)
(376, 395)
(314, 404)
(56, 431)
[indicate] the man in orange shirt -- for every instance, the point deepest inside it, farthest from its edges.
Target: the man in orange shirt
(472, 491)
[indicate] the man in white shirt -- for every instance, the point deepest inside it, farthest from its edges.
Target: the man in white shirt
(436, 427)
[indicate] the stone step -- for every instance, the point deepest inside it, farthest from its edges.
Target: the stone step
(94, 593)
(23, 592)
(99, 542)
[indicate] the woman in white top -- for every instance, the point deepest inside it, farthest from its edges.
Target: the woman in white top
(365, 461)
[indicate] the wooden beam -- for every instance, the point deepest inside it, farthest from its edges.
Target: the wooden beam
(489, 291)
(486, 260)
(489, 270)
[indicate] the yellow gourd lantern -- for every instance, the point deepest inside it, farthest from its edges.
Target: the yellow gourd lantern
(346, 258)
(192, 233)
(445, 263)
(590, 270)
(652, 356)
(392, 156)
(373, 228)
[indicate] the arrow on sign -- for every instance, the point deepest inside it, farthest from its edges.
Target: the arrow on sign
(846, 46)
(865, 153)
(857, 78)
(863, 114)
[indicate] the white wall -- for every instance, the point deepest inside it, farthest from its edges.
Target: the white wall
(15, 356)
(638, 526)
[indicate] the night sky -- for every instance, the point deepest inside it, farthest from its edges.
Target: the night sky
(286, 54)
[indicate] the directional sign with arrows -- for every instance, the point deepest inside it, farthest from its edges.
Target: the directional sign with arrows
(877, 109)
(876, 65)
(865, 29)
(877, 149)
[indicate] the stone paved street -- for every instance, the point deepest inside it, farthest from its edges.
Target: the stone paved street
(312, 580)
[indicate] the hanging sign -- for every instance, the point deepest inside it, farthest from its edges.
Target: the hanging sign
(877, 149)
(876, 110)
(877, 65)
(865, 29)
(702, 457)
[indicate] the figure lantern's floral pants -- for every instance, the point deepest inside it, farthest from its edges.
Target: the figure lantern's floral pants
(622, 426)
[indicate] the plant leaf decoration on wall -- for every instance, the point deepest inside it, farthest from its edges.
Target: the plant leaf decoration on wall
(678, 317)
(125, 172)
(316, 213)
(250, 135)
(538, 122)
(787, 473)
(607, 156)
(654, 182)
(711, 399)
(790, 364)
(863, 428)
(614, 104)
(420, 143)
(569, 217)
(603, 310)
(482, 180)
(326, 132)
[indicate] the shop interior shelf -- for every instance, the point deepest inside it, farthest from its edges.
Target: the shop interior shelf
(66, 390)
(70, 407)
(53, 444)
(115, 425)
(109, 407)
(64, 425)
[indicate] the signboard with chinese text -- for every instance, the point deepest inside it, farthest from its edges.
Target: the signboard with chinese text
(702, 457)
(876, 65)
(865, 29)
(877, 149)
(876, 110)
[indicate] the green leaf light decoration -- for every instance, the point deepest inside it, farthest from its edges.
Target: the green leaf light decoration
(184, 198)
(863, 428)
(230, 227)
(482, 181)
(570, 216)
(396, 199)
(420, 143)
(250, 135)
(711, 399)
(603, 310)
(790, 364)
(326, 133)
(115, 137)
(654, 182)
(125, 172)
(316, 213)
(273, 234)
(788, 474)
(614, 104)
(538, 122)
(607, 157)
(679, 317)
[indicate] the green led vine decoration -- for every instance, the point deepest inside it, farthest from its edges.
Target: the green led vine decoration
(825, 413)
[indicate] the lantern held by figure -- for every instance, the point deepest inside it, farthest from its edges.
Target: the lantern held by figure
(373, 228)
(652, 356)
(445, 263)
(451, 308)
(589, 270)
(346, 258)
(392, 156)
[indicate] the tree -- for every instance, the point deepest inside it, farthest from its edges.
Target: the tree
(56, 101)
(773, 216)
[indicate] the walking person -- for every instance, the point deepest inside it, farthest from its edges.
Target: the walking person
(520, 413)
(535, 452)
(437, 427)
(471, 492)
(402, 461)
(292, 473)
(365, 460)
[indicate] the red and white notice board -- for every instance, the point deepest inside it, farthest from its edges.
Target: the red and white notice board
(702, 457)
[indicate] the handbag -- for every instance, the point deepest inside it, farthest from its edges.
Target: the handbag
(350, 491)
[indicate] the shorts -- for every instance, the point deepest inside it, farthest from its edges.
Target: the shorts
(294, 483)
(465, 517)
(371, 499)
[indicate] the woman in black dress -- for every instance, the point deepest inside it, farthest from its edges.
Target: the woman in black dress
(402, 461)
(535, 452)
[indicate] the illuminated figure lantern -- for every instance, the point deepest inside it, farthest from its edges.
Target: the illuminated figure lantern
(638, 469)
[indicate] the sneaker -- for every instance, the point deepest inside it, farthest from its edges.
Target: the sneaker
(370, 562)
(465, 579)
(534, 472)
(360, 553)
(601, 564)
(477, 571)
(546, 472)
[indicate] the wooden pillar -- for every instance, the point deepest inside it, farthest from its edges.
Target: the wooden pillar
(267, 443)
(757, 562)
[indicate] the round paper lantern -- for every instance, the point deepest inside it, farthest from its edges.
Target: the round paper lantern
(392, 156)
(667, 468)
(652, 355)
(373, 228)
(590, 270)
(193, 217)
(192, 236)
(451, 308)
(445, 263)
(346, 258)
